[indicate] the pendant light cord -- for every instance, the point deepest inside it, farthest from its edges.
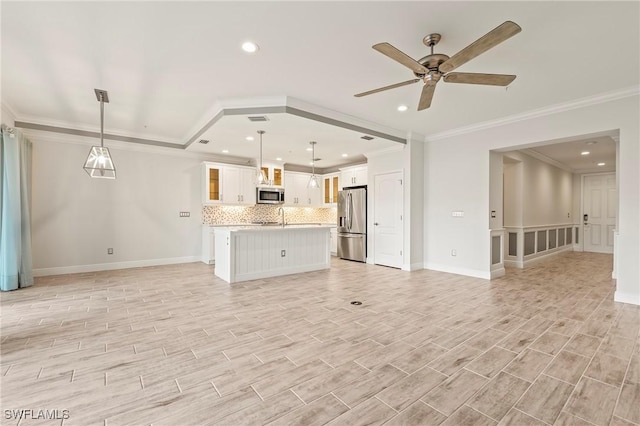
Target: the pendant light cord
(261, 150)
(101, 120)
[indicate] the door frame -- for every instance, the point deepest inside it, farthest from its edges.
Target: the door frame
(370, 227)
(580, 245)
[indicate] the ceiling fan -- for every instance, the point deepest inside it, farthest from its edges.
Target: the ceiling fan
(435, 66)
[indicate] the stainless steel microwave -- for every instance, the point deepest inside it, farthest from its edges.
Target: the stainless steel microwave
(269, 195)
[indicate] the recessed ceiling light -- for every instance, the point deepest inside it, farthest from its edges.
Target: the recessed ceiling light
(601, 164)
(249, 138)
(345, 155)
(249, 47)
(309, 149)
(311, 163)
(402, 108)
(225, 151)
(585, 153)
(278, 159)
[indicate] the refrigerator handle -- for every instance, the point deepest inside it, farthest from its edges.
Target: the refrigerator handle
(350, 210)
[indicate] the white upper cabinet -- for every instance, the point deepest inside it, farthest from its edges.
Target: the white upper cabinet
(296, 192)
(226, 184)
(211, 183)
(353, 176)
(238, 186)
(330, 188)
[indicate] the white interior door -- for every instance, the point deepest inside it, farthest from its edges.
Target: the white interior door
(387, 219)
(599, 207)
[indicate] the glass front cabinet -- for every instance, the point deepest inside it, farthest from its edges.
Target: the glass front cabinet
(330, 188)
(212, 183)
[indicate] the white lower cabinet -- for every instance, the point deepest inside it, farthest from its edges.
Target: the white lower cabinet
(208, 245)
(333, 232)
(252, 253)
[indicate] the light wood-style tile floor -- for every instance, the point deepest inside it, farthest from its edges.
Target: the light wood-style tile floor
(173, 345)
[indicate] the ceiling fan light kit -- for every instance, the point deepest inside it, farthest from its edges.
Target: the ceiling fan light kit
(99, 163)
(437, 66)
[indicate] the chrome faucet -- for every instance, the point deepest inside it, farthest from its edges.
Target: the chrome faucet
(281, 213)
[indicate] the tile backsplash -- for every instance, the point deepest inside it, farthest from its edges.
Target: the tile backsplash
(213, 215)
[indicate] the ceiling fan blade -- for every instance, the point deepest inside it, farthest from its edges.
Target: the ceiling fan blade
(426, 96)
(477, 78)
(393, 86)
(398, 56)
(492, 38)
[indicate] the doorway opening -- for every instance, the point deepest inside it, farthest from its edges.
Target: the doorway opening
(552, 197)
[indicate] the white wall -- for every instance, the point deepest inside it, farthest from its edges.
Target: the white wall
(76, 218)
(513, 194)
(546, 192)
(464, 160)
(414, 204)
(495, 190)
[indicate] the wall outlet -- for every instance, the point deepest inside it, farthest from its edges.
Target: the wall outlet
(109, 251)
(454, 252)
(185, 214)
(283, 253)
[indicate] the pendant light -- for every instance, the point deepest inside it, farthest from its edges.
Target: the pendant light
(314, 182)
(99, 163)
(261, 178)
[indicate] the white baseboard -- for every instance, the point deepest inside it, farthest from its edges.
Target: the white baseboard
(497, 273)
(413, 267)
(513, 263)
(459, 271)
(631, 298)
(528, 262)
(289, 270)
(77, 269)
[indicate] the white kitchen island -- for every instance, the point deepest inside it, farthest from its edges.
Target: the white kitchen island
(249, 253)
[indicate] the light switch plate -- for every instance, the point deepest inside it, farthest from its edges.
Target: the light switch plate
(457, 213)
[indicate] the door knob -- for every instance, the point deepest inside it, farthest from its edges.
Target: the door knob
(376, 223)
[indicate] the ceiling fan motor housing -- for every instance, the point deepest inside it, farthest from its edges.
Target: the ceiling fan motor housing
(432, 62)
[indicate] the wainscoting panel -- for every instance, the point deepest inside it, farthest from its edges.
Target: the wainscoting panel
(529, 244)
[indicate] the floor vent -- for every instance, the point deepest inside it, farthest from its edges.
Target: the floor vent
(366, 138)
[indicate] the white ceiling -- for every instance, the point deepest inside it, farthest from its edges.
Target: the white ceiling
(569, 154)
(167, 64)
(287, 137)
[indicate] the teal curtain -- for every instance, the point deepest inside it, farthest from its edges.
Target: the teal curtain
(15, 210)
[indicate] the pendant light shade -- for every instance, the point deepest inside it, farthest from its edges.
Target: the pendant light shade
(99, 163)
(314, 182)
(261, 178)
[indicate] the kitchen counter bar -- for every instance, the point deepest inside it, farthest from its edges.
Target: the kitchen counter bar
(252, 252)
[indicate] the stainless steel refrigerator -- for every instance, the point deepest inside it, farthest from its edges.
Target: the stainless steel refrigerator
(352, 224)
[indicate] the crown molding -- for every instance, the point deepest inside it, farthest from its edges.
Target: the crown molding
(74, 128)
(541, 112)
(385, 151)
(293, 106)
(545, 159)
(6, 108)
(40, 136)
